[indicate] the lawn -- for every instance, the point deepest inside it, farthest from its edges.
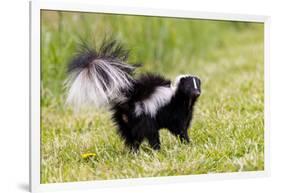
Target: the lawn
(227, 132)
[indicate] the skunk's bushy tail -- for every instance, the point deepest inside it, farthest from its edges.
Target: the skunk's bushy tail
(98, 77)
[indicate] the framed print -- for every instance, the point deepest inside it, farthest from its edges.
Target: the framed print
(124, 94)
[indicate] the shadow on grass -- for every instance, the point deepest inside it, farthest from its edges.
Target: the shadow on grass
(24, 187)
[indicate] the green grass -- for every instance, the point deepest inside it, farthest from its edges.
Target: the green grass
(227, 133)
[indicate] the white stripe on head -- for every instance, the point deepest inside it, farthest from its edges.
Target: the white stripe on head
(161, 96)
(194, 82)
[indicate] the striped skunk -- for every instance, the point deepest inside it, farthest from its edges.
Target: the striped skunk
(141, 105)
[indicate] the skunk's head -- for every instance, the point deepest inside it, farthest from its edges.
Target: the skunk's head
(189, 86)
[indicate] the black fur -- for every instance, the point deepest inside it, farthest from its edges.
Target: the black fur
(110, 50)
(145, 85)
(175, 116)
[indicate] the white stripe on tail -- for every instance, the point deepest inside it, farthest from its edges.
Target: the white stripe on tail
(90, 87)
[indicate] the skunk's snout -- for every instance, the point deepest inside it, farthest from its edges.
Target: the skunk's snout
(196, 93)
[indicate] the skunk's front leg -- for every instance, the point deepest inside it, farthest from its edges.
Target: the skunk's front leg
(184, 137)
(183, 134)
(180, 130)
(184, 128)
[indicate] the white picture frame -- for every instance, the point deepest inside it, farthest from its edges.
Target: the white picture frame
(36, 6)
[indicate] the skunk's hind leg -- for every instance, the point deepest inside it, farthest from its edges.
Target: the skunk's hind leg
(124, 128)
(145, 128)
(125, 133)
(136, 144)
(154, 140)
(134, 130)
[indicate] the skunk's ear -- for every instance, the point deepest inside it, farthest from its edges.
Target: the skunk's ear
(179, 79)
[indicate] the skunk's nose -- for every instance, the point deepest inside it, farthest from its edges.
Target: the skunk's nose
(196, 93)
